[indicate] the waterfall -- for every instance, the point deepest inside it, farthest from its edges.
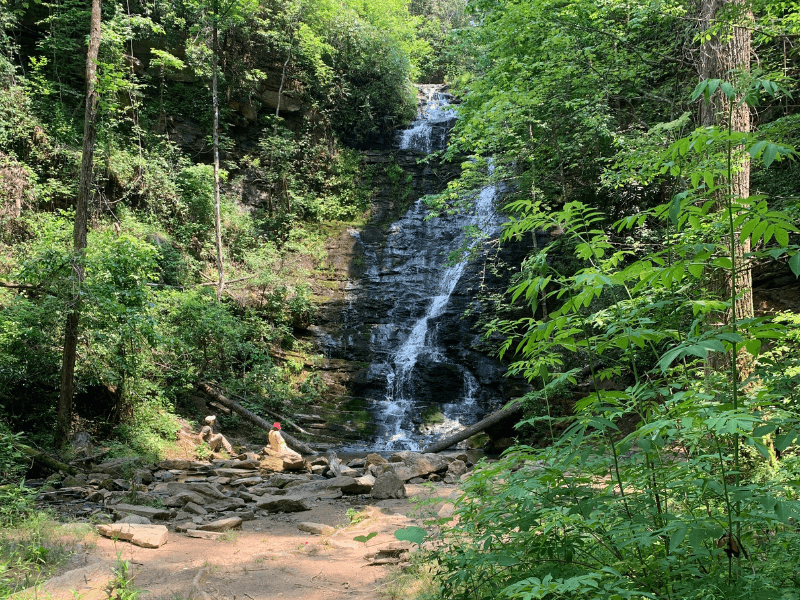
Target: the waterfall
(415, 263)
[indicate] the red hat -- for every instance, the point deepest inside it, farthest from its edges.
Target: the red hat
(276, 425)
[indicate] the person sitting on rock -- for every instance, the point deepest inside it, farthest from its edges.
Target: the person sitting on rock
(215, 441)
(277, 444)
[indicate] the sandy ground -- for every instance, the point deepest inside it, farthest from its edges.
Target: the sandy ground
(270, 557)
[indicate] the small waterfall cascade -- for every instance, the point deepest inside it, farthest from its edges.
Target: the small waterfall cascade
(427, 393)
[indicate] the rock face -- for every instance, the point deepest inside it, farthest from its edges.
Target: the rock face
(400, 308)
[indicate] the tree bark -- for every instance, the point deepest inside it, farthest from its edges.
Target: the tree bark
(64, 408)
(217, 218)
(44, 459)
(292, 442)
(493, 418)
(721, 56)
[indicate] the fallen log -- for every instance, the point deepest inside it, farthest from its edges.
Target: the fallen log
(280, 417)
(292, 442)
(44, 459)
(493, 418)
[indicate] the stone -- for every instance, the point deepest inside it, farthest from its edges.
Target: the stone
(319, 469)
(349, 471)
(416, 480)
(318, 461)
(97, 496)
(280, 480)
(451, 479)
(165, 476)
(181, 464)
(293, 463)
(247, 497)
(222, 524)
(457, 468)
(315, 528)
(260, 490)
(185, 526)
(226, 504)
(326, 488)
(245, 514)
(70, 481)
(360, 485)
(334, 465)
(204, 488)
(246, 464)
(357, 463)
(136, 520)
(374, 459)
(144, 476)
(247, 481)
(235, 473)
(87, 583)
(194, 509)
(415, 464)
(146, 536)
(183, 498)
(288, 503)
(119, 467)
(204, 535)
(143, 511)
(388, 485)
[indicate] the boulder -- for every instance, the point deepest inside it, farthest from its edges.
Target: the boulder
(194, 509)
(325, 488)
(146, 536)
(182, 498)
(248, 481)
(415, 464)
(288, 503)
(388, 485)
(226, 504)
(374, 459)
(457, 468)
(360, 485)
(180, 464)
(293, 463)
(222, 524)
(208, 490)
(316, 528)
(135, 520)
(280, 480)
(334, 465)
(119, 467)
(143, 511)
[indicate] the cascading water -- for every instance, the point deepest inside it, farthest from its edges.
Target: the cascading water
(416, 258)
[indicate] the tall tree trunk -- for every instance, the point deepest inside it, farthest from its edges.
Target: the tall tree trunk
(720, 57)
(217, 218)
(64, 409)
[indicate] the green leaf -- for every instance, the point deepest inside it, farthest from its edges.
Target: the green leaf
(695, 269)
(763, 430)
(728, 90)
(365, 538)
(677, 537)
(769, 154)
(781, 236)
(756, 148)
(794, 264)
(415, 535)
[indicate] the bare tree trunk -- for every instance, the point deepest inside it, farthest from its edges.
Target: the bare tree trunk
(217, 218)
(720, 58)
(459, 436)
(64, 409)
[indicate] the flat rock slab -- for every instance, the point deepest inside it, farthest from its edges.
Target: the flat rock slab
(288, 503)
(316, 528)
(143, 511)
(204, 535)
(222, 524)
(87, 583)
(203, 488)
(146, 536)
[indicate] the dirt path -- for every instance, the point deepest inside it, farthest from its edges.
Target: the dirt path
(270, 557)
